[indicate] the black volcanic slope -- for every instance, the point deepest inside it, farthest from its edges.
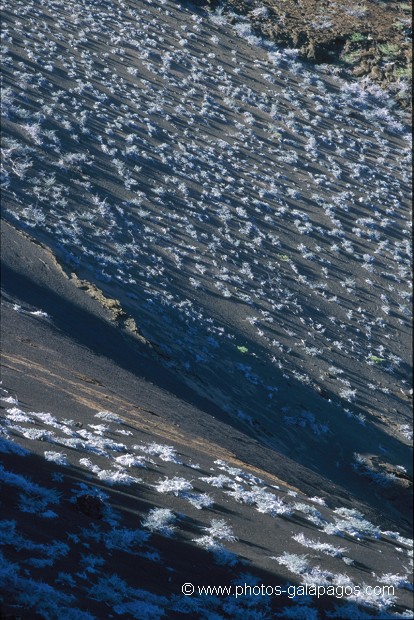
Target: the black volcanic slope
(205, 323)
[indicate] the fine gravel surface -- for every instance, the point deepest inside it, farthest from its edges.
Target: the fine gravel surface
(206, 337)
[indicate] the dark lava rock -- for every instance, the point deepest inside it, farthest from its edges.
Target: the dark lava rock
(91, 506)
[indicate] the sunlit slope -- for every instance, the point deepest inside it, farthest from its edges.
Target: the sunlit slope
(249, 212)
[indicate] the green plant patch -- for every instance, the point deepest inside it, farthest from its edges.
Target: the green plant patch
(398, 25)
(389, 49)
(357, 37)
(376, 359)
(352, 57)
(243, 349)
(403, 72)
